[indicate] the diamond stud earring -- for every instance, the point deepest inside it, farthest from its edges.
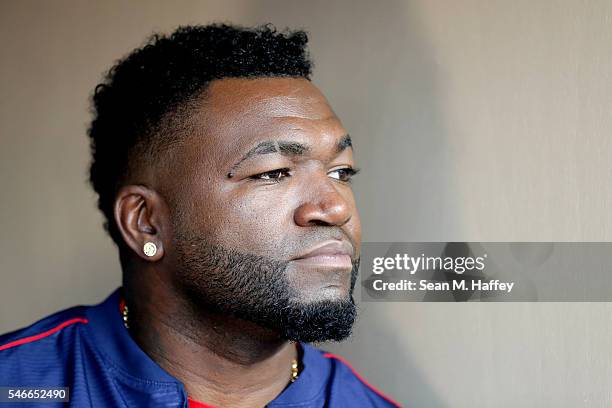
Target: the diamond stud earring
(150, 249)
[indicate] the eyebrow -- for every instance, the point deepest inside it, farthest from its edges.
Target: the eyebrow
(286, 148)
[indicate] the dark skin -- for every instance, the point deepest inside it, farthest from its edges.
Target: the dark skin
(234, 201)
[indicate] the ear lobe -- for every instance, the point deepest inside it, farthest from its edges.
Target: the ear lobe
(134, 207)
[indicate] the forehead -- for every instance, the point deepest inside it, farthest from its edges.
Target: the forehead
(236, 113)
(267, 97)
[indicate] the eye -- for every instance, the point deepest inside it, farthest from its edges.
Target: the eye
(273, 175)
(344, 174)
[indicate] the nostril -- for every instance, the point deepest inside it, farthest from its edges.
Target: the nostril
(320, 223)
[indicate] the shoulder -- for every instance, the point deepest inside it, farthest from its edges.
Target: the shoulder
(347, 385)
(42, 347)
(42, 332)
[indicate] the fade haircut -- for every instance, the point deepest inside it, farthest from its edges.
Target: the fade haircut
(143, 103)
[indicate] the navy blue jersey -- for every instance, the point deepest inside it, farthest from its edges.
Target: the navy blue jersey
(87, 349)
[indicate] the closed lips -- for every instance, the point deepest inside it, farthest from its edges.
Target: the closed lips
(331, 253)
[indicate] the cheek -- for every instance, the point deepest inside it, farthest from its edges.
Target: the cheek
(254, 221)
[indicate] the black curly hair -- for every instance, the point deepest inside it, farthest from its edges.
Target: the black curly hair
(142, 104)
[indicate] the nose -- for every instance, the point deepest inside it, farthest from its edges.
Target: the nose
(325, 206)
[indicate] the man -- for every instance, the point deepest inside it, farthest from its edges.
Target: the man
(224, 177)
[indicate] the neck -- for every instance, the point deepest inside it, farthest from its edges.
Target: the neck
(222, 361)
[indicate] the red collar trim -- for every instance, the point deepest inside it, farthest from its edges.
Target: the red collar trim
(197, 404)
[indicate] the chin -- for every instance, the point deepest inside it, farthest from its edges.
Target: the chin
(326, 319)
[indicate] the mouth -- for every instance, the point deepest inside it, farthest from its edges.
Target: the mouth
(330, 254)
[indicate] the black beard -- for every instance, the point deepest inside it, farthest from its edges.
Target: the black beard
(255, 288)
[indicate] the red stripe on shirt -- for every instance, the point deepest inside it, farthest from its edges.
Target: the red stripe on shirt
(346, 363)
(45, 334)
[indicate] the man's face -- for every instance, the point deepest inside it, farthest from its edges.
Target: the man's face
(263, 183)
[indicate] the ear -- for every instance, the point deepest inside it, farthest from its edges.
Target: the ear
(139, 214)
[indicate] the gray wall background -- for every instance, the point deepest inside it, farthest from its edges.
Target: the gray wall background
(473, 120)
